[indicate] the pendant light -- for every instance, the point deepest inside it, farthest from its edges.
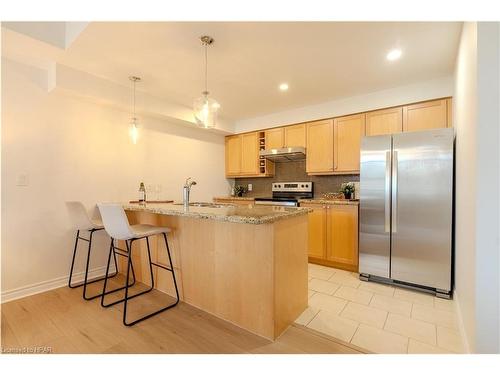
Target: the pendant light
(205, 108)
(134, 131)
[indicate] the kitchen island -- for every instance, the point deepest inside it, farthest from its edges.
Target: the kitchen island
(244, 264)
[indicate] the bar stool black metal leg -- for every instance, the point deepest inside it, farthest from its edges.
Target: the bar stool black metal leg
(73, 262)
(98, 279)
(127, 285)
(87, 268)
(150, 265)
(85, 282)
(111, 248)
(126, 289)
(152, 284)
(172, 268)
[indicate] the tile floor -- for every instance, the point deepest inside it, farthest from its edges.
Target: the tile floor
(379, 318)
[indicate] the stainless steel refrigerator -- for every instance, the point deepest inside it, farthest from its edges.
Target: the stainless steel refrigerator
(406, 209)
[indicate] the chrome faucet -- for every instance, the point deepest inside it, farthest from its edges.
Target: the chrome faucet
(187, 189)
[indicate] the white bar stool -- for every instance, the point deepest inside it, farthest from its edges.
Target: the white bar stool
(83, 222)
(117, 226)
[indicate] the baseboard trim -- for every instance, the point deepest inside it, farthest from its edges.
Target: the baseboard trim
(45, 286)
(461, 326)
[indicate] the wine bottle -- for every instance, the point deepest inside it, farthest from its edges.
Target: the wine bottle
(142, 193)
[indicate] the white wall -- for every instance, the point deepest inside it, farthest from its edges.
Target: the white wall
(488, 155)
(476, 117)
(464, 121)
(437, 88)
(77, 150)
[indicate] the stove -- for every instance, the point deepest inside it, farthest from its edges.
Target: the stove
(287, 194)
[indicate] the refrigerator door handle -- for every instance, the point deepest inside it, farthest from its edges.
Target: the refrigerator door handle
(394, 191)
(387, 207)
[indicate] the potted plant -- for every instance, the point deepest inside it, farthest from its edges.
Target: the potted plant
(348, 189)
(239, 190)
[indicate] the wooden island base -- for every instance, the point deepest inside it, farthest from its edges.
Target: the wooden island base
(254, 276)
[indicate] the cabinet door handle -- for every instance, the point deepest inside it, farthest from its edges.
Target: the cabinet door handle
(394, 192)
(387, 188)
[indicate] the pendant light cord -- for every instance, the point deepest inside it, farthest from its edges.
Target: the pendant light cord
(134, 99)
(206, 67)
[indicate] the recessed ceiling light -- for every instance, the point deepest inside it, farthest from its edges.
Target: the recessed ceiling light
(284, 86)
(394, 54)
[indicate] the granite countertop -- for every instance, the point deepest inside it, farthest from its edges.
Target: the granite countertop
(234, 214)
(353, 202)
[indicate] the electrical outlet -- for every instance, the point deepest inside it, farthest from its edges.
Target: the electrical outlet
(250, 187)
(22, 180)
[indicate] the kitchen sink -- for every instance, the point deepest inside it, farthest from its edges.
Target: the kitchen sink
(204, 204)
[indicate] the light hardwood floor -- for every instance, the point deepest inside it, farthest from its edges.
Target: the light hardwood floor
(61, 320)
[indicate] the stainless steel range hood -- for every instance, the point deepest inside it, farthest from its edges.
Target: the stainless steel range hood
(281, 155)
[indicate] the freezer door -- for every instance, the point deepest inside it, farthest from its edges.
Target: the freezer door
(375, 185)
(422, 198)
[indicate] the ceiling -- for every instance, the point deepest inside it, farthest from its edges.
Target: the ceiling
(320, 61)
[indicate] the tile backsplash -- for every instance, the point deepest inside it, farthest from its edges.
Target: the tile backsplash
(295, 171)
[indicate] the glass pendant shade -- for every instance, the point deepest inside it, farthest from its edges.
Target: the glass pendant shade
(205, 111)
(134, 131)
(133, 128)
(205, 108)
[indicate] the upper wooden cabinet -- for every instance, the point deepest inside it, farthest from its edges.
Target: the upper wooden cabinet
(425, 116)
(449, 108)
(295, 136)
(385, 121)
(233, 155)
(242, 155)
(342, 235)
(250, 154)
(347, 133)
(319, 150)
(332, 145)
(275, 138)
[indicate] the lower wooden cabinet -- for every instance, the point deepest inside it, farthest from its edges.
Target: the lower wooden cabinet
(317, 231)
(342, 235)
(333, 235)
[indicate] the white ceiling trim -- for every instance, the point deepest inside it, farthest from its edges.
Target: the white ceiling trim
(98, 90)
(57, 78)
(58, 34)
